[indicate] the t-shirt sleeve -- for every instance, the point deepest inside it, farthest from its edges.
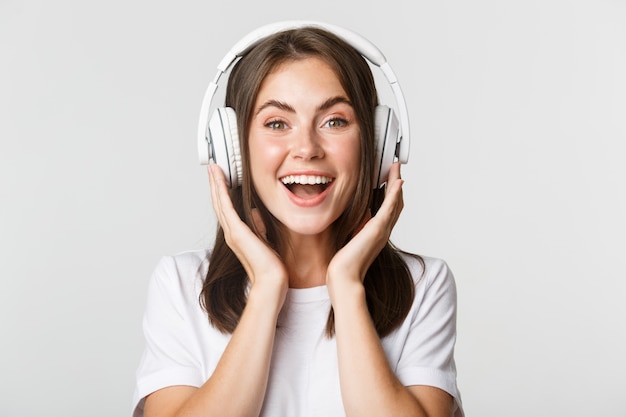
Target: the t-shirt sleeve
(428, 354)
(168, 358)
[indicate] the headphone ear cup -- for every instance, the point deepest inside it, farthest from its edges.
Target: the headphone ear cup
(224, 144)
(387, 136)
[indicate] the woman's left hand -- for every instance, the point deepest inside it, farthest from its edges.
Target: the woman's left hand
(352, 262)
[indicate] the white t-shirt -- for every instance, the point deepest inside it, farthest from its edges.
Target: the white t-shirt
(182, 348)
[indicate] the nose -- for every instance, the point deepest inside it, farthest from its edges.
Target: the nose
(307, 145)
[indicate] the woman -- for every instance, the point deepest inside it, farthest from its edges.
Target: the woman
(311, 310)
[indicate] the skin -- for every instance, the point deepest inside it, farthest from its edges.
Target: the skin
(301, 128)
(298, 132)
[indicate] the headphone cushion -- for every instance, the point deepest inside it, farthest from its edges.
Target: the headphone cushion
(387, 130)
(234, 150)
(225, 141)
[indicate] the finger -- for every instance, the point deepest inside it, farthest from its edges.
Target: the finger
(220, 196)
(394, 171)
(394, 176)
(396, 185)
(214, 192)
(392, 205)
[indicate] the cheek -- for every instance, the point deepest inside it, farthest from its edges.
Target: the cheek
(265, 160)
(348, 155)
(263, 155)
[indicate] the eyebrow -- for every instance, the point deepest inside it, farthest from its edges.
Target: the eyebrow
(286, 107)
(275, 103)
(334, 100)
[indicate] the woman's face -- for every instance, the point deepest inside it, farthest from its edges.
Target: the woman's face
(304, 145)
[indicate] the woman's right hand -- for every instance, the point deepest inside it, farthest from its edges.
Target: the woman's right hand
(262, 264)
(241, 371)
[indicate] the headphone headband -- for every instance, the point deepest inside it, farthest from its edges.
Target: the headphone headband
(364, 46)
(367, 49)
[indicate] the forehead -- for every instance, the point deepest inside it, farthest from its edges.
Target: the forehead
(299, 75)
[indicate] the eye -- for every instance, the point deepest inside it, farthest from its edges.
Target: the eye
(336, 123)
(276, 124)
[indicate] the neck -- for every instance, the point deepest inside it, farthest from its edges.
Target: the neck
(307, 258)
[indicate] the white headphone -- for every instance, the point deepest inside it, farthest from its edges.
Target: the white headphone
(218, 140)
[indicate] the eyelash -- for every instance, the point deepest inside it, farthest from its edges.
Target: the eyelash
(337, 121)
(272, 124)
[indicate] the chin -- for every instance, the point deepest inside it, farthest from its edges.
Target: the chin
(307, 227)
(307, 230)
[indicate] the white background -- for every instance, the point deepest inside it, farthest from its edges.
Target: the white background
(516, 178)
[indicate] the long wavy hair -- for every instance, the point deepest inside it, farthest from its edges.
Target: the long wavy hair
(388, 283)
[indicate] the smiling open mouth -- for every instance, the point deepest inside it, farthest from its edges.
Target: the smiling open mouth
(306, 185)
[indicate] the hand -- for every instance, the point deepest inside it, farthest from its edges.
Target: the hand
(261, 263)
(353, 260)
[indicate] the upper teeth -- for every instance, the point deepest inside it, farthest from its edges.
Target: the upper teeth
(305, 179)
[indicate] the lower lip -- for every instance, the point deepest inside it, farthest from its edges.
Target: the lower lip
(309, 202)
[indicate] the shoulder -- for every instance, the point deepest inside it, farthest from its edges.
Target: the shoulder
(184, 263)
(182, 273)
(434, 282)
(192, 260)
(427, 270)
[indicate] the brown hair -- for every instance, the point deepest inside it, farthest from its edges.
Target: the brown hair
(388, 283)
